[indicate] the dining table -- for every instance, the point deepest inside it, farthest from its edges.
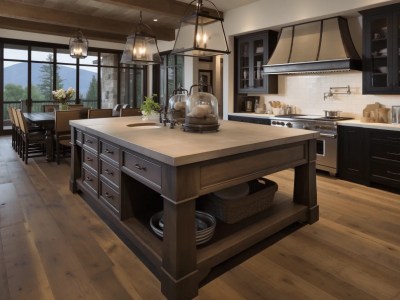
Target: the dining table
(46, 121)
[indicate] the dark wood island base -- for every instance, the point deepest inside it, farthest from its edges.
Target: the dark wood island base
(127, 179)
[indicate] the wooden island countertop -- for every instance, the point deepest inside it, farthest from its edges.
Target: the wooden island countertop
(128, 172)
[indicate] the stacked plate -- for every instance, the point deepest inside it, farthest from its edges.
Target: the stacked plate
(205, 226)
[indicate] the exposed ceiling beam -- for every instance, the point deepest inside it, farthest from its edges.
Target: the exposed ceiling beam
(165, 7)
(73, 21)
(58, 30)
(170, 8)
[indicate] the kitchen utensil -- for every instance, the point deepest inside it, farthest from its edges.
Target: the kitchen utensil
(332, 113)
(396, 114)
(383, 69)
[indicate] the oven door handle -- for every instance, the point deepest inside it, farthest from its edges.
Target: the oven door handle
(328, 135)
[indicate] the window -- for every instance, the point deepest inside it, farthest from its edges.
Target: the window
(169, 76)
(32, 70)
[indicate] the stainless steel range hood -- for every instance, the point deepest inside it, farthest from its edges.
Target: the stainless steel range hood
(318, 46)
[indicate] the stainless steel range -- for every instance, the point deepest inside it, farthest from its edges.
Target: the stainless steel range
(326, 143)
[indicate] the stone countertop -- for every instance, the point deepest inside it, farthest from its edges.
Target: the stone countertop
(252, 115)
(358, 123)
(176, 147)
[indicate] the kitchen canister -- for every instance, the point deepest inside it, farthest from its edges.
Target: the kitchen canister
(396, 114)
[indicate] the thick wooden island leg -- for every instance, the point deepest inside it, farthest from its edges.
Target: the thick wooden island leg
(179, 265)
(305, 185)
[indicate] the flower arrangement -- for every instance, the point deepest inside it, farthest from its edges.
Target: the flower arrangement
(62, 96)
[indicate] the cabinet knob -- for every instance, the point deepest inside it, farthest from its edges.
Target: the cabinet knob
(108, 172)
(139, 167)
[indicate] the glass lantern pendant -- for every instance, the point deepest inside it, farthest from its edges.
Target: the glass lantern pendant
(141, 47)
(201, 33)
(78, 45)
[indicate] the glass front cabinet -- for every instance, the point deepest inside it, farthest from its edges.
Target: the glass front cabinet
(381, 48)
(253, 51)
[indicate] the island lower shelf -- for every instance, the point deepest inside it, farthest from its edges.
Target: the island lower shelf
(228, 240)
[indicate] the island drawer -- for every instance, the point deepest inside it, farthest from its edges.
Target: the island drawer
(142, 167)
(110, 172)
(110, 197)
(90, 160)
(109, 151)
(90, 141)
(90, 180)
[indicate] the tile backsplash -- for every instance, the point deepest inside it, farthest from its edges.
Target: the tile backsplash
(306, 93)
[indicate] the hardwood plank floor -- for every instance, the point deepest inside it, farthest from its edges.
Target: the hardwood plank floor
(53, 246)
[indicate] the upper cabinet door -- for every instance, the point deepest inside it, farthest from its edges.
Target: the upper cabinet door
(252, 52)
(381, 51)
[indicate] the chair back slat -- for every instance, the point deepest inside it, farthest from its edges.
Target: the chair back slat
(22, 121)
(14, 112)
(62, 119)
(10, 115)
(75, 106)
(100, 113)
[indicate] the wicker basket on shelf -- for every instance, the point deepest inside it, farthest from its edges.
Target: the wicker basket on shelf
(230, 210)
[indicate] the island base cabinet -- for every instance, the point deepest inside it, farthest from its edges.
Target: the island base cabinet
(146, 185)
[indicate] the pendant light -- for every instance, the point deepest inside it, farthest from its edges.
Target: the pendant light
(141, 47)
(201, 33)
(78, 45)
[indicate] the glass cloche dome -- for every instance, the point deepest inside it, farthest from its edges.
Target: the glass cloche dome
(177, 105)
(201, 112)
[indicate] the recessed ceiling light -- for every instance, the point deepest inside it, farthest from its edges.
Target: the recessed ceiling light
(155, 20)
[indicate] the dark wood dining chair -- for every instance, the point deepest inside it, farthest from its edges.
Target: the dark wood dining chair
(33, 142)
(125, 112)
(13, 127)
(17, 131)
(62, 130)
(100, 113)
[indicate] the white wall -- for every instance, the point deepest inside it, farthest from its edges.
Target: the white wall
(304, 91)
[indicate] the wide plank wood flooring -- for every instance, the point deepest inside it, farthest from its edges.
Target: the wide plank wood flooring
(53, 246)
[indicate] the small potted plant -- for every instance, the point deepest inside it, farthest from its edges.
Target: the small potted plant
(150, 108)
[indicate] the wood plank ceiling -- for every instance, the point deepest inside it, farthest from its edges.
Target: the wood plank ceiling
(104, 20)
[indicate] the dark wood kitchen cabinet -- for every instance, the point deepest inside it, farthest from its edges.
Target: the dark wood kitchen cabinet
(253, 51)
(381, 48)
(353, 154)
(264, 121)
(385, 157)
(369, 156)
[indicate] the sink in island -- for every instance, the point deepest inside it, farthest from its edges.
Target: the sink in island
(129, 172)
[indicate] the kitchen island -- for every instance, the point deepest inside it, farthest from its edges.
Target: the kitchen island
(127, 170)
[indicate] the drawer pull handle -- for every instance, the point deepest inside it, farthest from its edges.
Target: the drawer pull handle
(89, 141)
(391, 153)
(393, 173)
(109, 196)
(89, 159)
(139, 167)
(109, 151)
(108, 172)
(88, 178)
